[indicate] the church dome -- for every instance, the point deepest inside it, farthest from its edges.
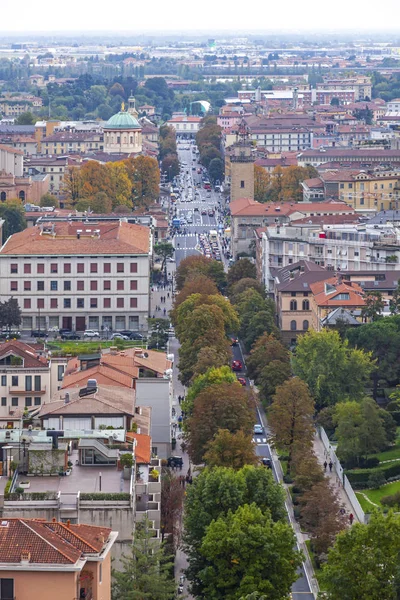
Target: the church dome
(122, 120)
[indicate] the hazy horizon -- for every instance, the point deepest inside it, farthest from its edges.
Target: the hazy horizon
(209, 18)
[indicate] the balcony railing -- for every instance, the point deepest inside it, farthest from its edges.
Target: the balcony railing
(17, 391)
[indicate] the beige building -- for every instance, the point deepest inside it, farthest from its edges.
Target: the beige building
(123, 134)
(48, 559)
(62, 143)
(242, 170)
(27, 380)
(74, 276)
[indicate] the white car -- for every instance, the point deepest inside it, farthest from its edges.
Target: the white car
(91, 333)
(119, 336)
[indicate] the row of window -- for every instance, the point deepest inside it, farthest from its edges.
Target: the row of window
(28, 401)
(37, 380)
(67, 268)
(306, 305)
(80, 303)
(293, 325)
(55, 286)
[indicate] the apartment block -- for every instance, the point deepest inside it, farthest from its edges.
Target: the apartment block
(47, 559)
(74, 276)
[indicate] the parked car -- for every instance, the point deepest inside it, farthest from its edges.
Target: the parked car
(242, 381)
(237, 365)
(38, 333)
(175, 461)
(126, 332)
(64, 330)
(135, 335)
(91, 333)
(70, 336)
(266, 462)
(118, 336)
(258, 429)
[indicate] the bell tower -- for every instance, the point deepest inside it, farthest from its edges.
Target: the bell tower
(132, 106)
(242, 165)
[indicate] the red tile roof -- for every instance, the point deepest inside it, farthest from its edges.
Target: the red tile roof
(142, 448)
(114, 238)
(28, 353)
(322, 298)
(48, 543)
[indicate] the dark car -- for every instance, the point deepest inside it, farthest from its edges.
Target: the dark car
(135, 335)
(126, 332)
(175, 461)
(70, 336)
(38, 333)
(64, 330)
(267, 462)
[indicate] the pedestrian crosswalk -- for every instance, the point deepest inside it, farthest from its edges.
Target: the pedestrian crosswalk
(258, 440)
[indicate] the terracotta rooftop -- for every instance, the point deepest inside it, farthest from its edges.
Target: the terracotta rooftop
(114, 238)
(249, 207)
(26, 352)
(326, 293)
(107, 400)
(48, 543)
(103, 374)
(142, 448)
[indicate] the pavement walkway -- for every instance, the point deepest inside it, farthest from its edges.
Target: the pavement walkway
(334, 479)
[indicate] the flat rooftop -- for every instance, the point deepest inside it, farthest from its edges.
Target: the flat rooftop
(82, 479)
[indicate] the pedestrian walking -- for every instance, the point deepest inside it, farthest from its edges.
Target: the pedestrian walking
(351, 518)
(168, 295)
(325, 465)
(330, 466)
(165, 311)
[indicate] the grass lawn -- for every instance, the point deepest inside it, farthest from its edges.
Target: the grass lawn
(60, 348)
(376, 495)
(365, 505)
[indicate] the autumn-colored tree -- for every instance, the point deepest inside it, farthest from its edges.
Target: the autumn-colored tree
(291, 179)
(170, 166)
(185, 311)
(121, 194)
(320, 515)
(72, 185)
(272, 375)
(199, 265)
(144, 175)
(266, 349)
(240, 269)
(213, 376)
(101, 203)
(211, 357)
(291, 417)
(205, 327)
(306, 469)
(172, 494)
(95, 178)
(276, 191)
(198, 284)
(228, 449)
(262, 182)
(117, 90)
(224, 406)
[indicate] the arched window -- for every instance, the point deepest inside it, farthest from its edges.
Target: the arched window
(293, 325)
(293, 305)
(305, 325)
(306, 305)
(3, 196)
(21, 195)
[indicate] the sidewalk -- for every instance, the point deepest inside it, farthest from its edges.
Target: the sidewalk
(334, 479)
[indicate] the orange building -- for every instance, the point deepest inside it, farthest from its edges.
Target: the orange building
(47, 560)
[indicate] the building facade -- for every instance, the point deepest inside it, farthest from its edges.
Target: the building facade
(68, 275)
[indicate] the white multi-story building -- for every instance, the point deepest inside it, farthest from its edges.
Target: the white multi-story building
(78, 276)
(337, 247)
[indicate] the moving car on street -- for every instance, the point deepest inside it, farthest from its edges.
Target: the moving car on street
(237, 365)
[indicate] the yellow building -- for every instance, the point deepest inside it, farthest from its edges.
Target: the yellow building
(364, 191)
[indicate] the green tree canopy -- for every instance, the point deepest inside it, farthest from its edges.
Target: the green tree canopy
(213, 376)
(13, 214)
(145, 571)
(247, 551)
(332, 370)
(240, 269)
(364, 561)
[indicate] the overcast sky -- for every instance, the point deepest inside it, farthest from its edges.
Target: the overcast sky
(205, 15)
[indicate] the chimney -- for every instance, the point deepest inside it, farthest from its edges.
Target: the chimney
(25, 557)
(66, 399)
